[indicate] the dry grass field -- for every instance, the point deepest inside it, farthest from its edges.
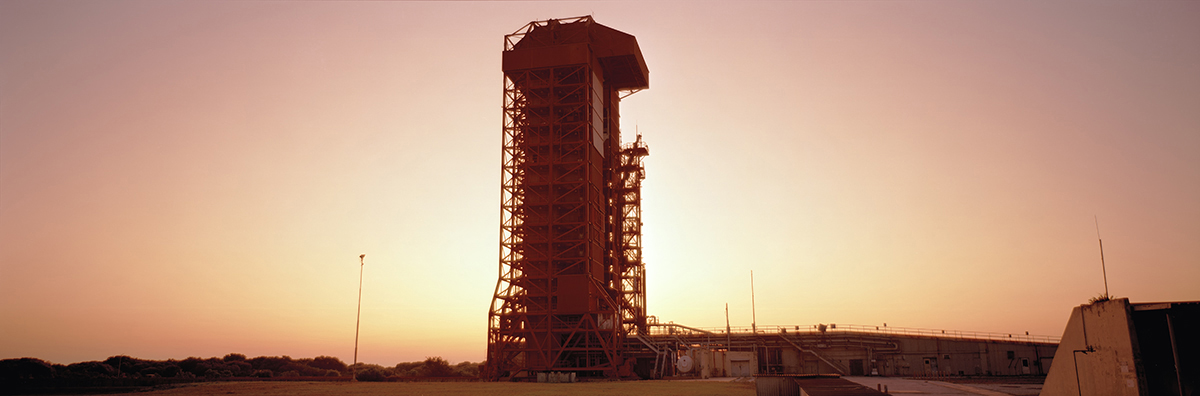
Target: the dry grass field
(458, 388)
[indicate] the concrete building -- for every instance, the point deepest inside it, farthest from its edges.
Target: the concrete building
(1115, 348)
(846, 350)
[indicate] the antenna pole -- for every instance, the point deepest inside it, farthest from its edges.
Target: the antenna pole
(753, 311)
(728, 336)
(357, 316)
(1103, 269)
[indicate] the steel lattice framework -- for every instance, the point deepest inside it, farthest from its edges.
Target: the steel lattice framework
(571, 284)
(630, 174)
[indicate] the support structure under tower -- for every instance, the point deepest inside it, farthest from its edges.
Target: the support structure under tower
(571, 286)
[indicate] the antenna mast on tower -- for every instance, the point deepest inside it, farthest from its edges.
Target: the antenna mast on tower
(1103, 270)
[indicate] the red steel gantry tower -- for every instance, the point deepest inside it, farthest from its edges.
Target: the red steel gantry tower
(571, 285)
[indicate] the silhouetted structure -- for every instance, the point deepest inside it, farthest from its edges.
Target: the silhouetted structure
(570, 298)
(571, 285)
(842, 349)
(1114, 347)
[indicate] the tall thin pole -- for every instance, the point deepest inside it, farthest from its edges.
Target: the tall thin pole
(358, 316)
(728, 336)
(1103, 270)
(753, 311)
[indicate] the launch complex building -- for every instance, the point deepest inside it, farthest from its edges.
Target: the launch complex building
(570, 301)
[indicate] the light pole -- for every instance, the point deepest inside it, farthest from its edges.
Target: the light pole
(357, 317)
(753, 314)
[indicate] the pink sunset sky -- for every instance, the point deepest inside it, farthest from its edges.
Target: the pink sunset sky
(186, 178)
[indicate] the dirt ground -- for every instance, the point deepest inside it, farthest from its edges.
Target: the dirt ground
(662, 388)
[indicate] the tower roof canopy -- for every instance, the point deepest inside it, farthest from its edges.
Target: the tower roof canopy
(566, 41)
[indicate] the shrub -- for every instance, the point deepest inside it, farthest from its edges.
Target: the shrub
(190, 365)
(169, 371)
(407, 369)
(25, 368)
(467, 369)
(90, 370)
(273, 363)
(435, 367)
(371, 374)
(328, 363)
(302, 369)
(239, 368)
(127, 366)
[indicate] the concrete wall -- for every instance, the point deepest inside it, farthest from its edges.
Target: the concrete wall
(721, 363)
(741, 364)
(1122, 349)
(1099, 337)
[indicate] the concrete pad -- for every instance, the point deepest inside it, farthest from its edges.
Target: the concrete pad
(712, 379)
(1015, 389)
(833, 387)
(904, 386)
(972, 389)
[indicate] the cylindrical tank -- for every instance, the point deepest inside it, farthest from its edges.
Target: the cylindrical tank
(684, 364)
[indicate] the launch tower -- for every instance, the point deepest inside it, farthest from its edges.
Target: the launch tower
(571, 287)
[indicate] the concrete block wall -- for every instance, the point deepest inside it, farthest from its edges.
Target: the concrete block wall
(1096, 355)
(1114, 348)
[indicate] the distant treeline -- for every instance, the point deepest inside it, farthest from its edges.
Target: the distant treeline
(230, 366)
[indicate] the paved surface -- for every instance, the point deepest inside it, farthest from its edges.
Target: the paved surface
(833, 387)
(1011, 389)
(902, 386)
(712, 379)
